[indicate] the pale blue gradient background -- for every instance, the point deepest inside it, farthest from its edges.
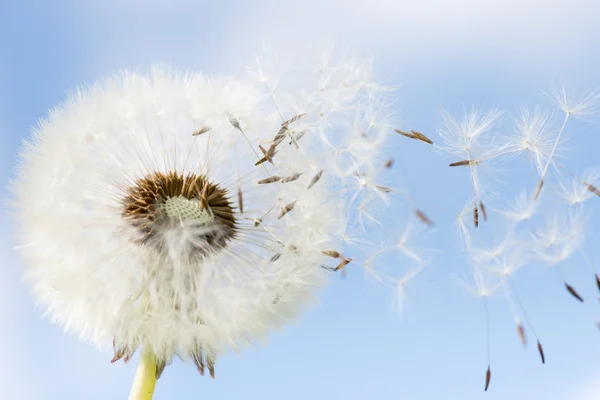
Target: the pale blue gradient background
(353, 346)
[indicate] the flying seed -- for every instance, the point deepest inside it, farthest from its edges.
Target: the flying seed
(460, 163)
(343, 263)
(541, 351)
(421, 215)
(201, 131)
(270, 179)
(297, 137)
(483, 213)
(280, 135)
(389, 163)
(328, 268)
(235, 123)
(597, 281)
(291, 178)
(289, 207)
(332, 253)
(384, 189)
(573, 292)
(421, 137)
(521, 332)
(293, 119)
(268, 155)
(538, 189)
(475, 215)
(275, 257)
(315, 179)
(592, 188)
(240, 200)
(408, 135)
(257, 221)
(488, 376)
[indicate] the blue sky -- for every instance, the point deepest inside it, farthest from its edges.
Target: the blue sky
(439, 53)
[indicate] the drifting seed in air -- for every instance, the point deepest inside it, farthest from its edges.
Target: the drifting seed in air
(488, 377)
(240, 200)
(268, 155)
(573, 292)
(482, 208)
(332, 253)
(592, 188)
(289, 207)
(235, 123)
(315, 179)
(421, 215)
(291, 178)
(257, 221)
(475, 215)
(293, 119)
(275, 257)
(384, 188)
(201, 131)
(415, 135)
(460, 163)
(597, 281)
(521, 332)
(270, 179)
(343, 263)
(389, 163)
(541, 351)
(538, 189)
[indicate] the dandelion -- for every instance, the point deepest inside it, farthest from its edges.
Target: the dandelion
(151, 221)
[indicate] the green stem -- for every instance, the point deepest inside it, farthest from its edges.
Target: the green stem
(145, 377)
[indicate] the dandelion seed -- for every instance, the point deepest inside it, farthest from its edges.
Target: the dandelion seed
(384, 188)
(332, 253)
(574, 293)
(421, 215)
(483, 212)
(460, 163)
(293, 119)
(270, 179)
(291, 178)
(389, 163)
(315, 179)
(406, 134)
(538, 189)
(488, 377)
(343, 263)
(289, 207)
(421, 137)
(275, 257)
(475, 215)
(541, 351)
(592, 188)
(201, 131)
(597, 281)
(240, 201)
(521, 332)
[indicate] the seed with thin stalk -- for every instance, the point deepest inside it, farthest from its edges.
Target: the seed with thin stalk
(240, 200)
(291, 178)
(270, 179)
(592, 188)
(384, 188)
(343, 263)
(538, 189)
(289, 207)
(541, 351)
(521, 332)
(460, 163)
(421, 215)
(421, 137)
(573, 292)
(201, 131)
(235, 123)
(488, 377)
(475, 215)
(332, 253)
(315, 179)
(483, 212)
(293, 119)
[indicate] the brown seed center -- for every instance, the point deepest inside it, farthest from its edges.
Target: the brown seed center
(161, 202)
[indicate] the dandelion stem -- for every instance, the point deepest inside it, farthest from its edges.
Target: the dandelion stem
(145, 377)
(562, 128)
